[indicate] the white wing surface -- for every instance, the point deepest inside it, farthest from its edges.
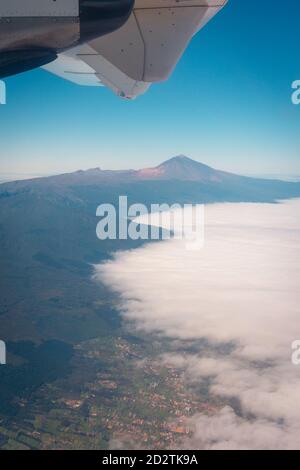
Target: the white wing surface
(144, 50)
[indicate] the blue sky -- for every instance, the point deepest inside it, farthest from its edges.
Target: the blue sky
(227, 104)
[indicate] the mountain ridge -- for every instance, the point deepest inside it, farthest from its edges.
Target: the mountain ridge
(179, 167)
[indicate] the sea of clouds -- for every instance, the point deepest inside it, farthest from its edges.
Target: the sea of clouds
(241, 290)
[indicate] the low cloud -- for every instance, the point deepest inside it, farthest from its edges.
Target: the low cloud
(227, 431)
(240, 294)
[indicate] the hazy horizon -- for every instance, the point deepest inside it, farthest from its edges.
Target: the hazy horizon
(15, 176)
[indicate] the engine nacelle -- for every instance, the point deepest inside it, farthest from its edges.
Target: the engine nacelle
(33, 32)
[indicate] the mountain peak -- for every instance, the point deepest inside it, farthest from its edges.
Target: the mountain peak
(182, 167)
(179, 158)
(183, 161)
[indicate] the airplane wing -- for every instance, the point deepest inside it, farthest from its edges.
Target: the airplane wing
(83, 65)
(144, 50)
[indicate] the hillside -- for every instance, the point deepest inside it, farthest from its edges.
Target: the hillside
(48, 304)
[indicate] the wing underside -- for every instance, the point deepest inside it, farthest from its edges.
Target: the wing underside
(144, 50)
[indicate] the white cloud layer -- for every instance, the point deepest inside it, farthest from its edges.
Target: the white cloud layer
(241, 288)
